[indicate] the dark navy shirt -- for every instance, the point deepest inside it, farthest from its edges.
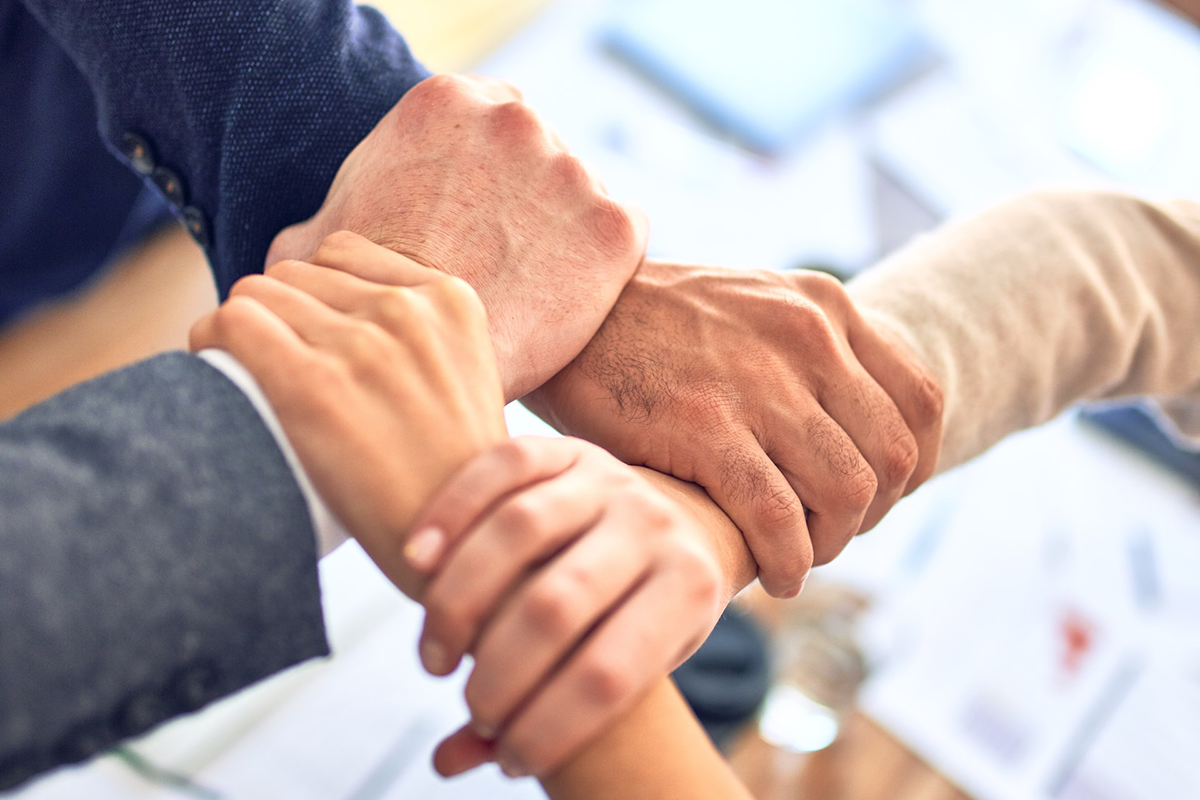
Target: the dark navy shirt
(236, 114)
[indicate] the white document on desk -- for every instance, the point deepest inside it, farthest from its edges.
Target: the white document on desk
(1049, 646)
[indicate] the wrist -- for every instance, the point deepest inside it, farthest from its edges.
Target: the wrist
(738, 567)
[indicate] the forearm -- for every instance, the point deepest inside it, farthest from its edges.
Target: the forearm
(657, 752)
(1042, 302)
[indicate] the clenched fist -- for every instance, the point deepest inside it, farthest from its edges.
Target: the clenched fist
(802, 422)
(463, 176)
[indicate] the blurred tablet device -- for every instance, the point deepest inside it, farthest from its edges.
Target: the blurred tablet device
(767, 71)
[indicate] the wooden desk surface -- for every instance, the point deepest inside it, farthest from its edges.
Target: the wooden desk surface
(865, 763)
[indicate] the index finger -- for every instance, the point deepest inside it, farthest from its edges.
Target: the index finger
(753, 492)
(910, 385)
(478, 486)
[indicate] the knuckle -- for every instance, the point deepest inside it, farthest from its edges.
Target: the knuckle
(824, 288)
(751, 482)
(899, 459)
(439, 86)
(703, 576)
(929, 400)
(334, 373)
(849, 483)
(460, 299)
(516, 121)
(605, 682)
(809, 321)
(280, 269)
(741, 476)
(654, 512)
(779, 510)
(233, 310)
(431, 99)
(364, 347)
(519, 456)
(391, 307)
(568, 171)
(341, 240)
(521, 518)
(231, 316)
(785, 575)
(611, 224)
(710, 406)
(550, 607)
(859, 487)
(249, 284)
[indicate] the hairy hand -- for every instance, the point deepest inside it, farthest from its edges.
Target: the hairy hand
(801, 421)
(381, 374)
(463, 176)
(573, 582)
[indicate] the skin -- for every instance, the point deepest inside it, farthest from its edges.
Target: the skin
(463, 176)
(656, 752)
(401, 393)
(467, 749)
(784, 414)
(573, 582)
(371, 332)
(769, 390)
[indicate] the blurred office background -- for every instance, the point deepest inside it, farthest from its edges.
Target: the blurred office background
(1025, 628)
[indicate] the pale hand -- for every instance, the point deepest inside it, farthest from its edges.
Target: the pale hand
(381, 373)
(574, 583)
(463, 176)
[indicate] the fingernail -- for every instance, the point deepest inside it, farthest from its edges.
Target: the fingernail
(483, 731)
(435, 657)
(511, 766)
(424, 548)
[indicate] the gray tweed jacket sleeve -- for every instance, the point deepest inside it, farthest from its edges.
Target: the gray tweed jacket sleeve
(155, 555)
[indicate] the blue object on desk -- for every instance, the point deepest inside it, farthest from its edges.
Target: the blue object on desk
(1133, 425)
(768, 71)
(726, 680)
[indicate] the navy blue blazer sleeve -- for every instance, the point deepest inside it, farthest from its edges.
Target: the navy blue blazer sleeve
(155, 554)
(240, 111)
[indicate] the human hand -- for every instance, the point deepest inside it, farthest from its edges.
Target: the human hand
(380, 372)
(801, 421)
(575, 585)
(463, 176)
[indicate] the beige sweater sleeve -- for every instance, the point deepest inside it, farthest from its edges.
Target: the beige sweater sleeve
(1044, 301)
